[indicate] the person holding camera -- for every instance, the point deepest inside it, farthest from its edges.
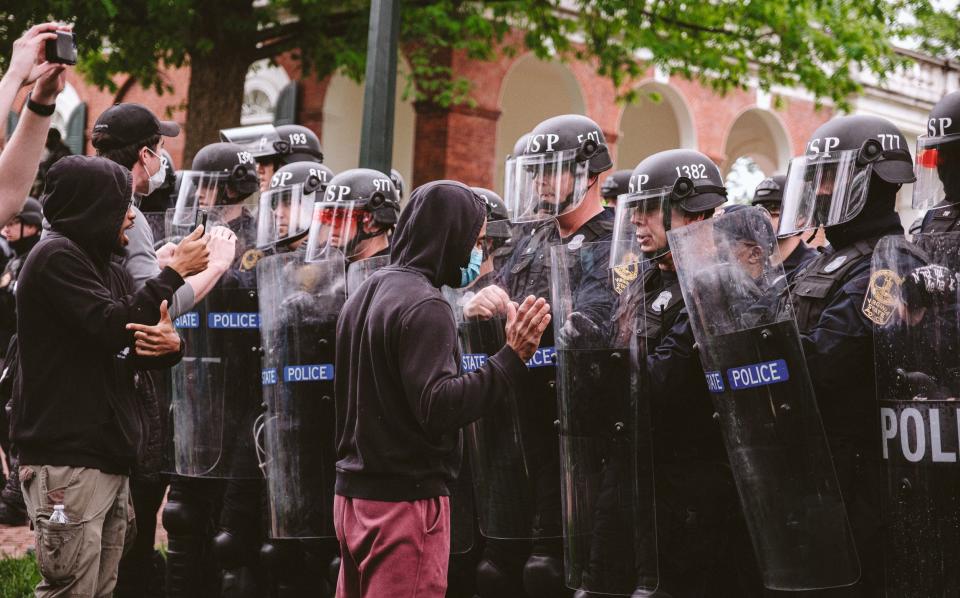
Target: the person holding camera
(21, 156)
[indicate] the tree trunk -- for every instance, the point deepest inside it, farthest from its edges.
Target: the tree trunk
(215, 97)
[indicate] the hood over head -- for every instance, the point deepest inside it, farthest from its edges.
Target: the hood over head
(437, 231)
(86, 199)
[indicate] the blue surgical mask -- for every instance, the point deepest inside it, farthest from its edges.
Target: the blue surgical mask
(472, 271)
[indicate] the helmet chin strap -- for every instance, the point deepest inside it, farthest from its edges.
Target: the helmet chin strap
(545, 206)
(360, 236)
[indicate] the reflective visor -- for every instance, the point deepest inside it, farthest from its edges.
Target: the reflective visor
(284, 214)
(928, 191)
(542, 186)
(639, 233)
(334, 226)
(258, 140)
(823, 191)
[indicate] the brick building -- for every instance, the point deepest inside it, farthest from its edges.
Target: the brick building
(748, 132)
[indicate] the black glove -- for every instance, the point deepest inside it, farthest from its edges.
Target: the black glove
(929, 285)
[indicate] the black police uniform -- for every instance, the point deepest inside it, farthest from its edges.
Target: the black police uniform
(528, 273)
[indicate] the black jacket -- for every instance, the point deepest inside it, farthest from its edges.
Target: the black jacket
(400, 397)
(74, 399)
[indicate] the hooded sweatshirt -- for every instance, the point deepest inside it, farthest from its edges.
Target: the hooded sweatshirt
(400, 397)
(74, 399)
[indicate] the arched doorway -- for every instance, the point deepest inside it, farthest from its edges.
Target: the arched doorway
(757, 146)
(660, 120)
(532, 91)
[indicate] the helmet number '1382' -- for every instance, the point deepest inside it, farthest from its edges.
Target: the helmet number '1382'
(692, 171)
(298, 138)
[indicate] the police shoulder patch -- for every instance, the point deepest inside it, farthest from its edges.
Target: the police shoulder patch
(250, 259)
(661, 302)
(835, 263)
(880, 300)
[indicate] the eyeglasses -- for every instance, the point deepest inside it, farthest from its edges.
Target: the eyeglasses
(334, 216)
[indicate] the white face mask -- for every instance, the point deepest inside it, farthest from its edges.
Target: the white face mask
(156, 179)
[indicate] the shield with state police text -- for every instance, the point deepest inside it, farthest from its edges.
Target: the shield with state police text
(914, 301)
(734, 287)
(606, 456)
(299, 305)
(513, 449)
(215, 389)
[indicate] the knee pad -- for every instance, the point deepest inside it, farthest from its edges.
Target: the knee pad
(228, 549)
(183, 518)
(543, 576)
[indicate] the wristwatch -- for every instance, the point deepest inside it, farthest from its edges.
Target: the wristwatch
(41, 109)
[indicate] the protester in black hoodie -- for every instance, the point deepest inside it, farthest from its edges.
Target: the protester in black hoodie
(82, 336)
(401, 399)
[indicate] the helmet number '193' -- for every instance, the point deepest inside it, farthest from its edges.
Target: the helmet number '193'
(298, 138)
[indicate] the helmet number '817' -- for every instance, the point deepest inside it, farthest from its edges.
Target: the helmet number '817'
(692, 171)
(298, 138)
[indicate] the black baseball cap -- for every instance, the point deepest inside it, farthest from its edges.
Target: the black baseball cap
(129, 122)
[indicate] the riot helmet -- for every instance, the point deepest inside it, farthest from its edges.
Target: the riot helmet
(259, 140)
(297, 144)
(358, 204)
(683, 180)
(221, 174)
(286, 207)
(938, 156)
(398, 183)
(560, 161)
(498, 223)
(616, 184)
(829, 185)
(769, 192)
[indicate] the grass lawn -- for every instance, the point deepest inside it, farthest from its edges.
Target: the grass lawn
(18, 577)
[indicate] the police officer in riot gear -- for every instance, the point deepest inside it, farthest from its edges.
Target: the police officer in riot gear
(769, 196)
(700, 535)
(938, 167)
(355, 216)
(214, 508)
(286, 208)
(274, 147)
(847, 182)
(344, 218)
(616, 184)
(551, 190)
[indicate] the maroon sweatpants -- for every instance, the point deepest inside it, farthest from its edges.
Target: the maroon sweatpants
(396, 549)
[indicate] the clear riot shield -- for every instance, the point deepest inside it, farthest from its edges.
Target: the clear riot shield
(299, 303)
(914, 300)
(605, 445)
(513, 453)
(216, 386)
(157, 222)
(361, 270)
(734, 288)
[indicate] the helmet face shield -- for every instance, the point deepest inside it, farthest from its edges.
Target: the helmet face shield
(542, 186)
(201, 191)
(824, 190)
(335, 226)
(932, 155)
(285, 213)
(259, 140)
(640, 231)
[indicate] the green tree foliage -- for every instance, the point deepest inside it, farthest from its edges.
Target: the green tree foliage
(814, 44)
